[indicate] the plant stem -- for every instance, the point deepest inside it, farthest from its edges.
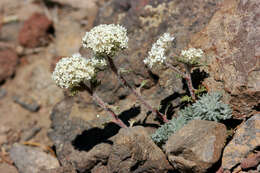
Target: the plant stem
(127, 85)
(189, 81)
(102, 104)
(186, 76)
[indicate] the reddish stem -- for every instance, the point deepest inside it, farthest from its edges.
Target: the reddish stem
(126, 84)
(189, 82)
(186, 76)
(102, 104)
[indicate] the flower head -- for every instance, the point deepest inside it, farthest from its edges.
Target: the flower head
(106, 39)
(191, 56)
(157, 53)
(71, 71)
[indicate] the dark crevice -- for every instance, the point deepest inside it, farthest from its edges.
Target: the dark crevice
(257, 107)
(197, 78)
(135, 167)
(125, 116)
(90, 138)
(51, 30)
(52, 4)
(231, 124)
(153, 76)
(166, 105)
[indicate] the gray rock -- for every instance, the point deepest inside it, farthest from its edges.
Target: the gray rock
(31, 160)
(77, 142)
(27, 103)
(2, 93)
(30, 133)
(197, 146)
(134, 151)
(245, 140)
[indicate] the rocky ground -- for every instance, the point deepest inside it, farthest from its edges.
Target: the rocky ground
(42, 129)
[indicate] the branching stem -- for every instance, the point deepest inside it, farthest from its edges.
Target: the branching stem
(102, 104)
(186, 76)
(127, 85)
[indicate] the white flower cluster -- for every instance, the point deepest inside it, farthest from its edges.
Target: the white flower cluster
(191, 55)
(71, 71)
(106, 39)
(157, 53)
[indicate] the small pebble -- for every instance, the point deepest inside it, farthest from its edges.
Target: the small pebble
(27, 103)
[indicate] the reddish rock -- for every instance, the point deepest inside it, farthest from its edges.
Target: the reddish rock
(246, 140)
(34, 32)
(8, 62)
(231, 41)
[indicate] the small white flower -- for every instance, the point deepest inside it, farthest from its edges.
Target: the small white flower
(157, 53)
(71, 71)
(191, 56)
(106, 39)
(98, 62)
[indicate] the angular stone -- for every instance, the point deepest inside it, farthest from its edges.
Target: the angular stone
(231, 42)
(34, 32)
(8, 63)
(31, 160)
(134, 151)
(197, 146)
(246, 140)
(27, 102)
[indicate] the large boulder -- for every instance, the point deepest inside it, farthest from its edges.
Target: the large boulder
(196, 146)
(231, 41)
(134, 151)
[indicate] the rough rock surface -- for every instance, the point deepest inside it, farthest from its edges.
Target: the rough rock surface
(34, 32)
(246, 140)
(134, 151)
(8, 62)
(30, 160)
(197, 146)
(231, 41)
(77, 142)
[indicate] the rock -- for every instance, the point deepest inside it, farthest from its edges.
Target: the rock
(245, 140)
(64, 169)
(34, 32)
(251, 162)
(8, 63)
(77, 143)
(6, 168)
(231, 42)
(134, 151)
(27, 102)
(31, 160)
(84, 161)
(30, 133)
(3, 93)
(68, 37)
(196, 146)
(100, 169)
